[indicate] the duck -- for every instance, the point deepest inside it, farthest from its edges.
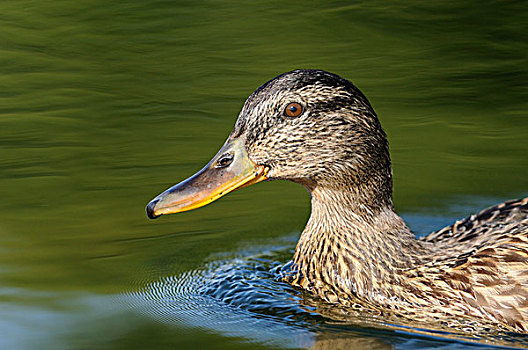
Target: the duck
(317, 129)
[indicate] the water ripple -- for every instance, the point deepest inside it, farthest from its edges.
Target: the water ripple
(242, 296)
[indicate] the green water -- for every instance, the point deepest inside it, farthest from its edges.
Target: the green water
(105, 104)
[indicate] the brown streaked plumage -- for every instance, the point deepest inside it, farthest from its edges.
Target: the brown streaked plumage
(355, 249)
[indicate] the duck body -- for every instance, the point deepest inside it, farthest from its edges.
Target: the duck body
(317, 129)
(474, 269)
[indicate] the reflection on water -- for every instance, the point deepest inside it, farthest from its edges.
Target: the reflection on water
(240, 297)
(105, 104)
(243, 297)
(32, 323)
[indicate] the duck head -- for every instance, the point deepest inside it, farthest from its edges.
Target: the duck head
(308, 126)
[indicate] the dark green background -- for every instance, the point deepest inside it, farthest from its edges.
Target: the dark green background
(105, 104)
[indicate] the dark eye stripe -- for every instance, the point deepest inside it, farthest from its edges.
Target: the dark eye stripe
(335, 104)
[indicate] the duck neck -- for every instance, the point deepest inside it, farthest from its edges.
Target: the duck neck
(355, 247)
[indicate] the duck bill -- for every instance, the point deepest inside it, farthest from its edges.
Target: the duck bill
(229, 170)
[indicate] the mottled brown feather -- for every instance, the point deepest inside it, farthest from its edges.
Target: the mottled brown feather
(355, 251)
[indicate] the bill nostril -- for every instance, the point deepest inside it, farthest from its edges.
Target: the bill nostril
(224, 161)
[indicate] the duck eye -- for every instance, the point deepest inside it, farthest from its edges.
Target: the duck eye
(293, 110)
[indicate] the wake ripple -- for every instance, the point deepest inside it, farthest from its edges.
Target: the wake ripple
(243, 296)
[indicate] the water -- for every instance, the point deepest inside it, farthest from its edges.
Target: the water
(104, 105)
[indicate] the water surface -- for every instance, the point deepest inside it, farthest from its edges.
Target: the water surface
(104, 105)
